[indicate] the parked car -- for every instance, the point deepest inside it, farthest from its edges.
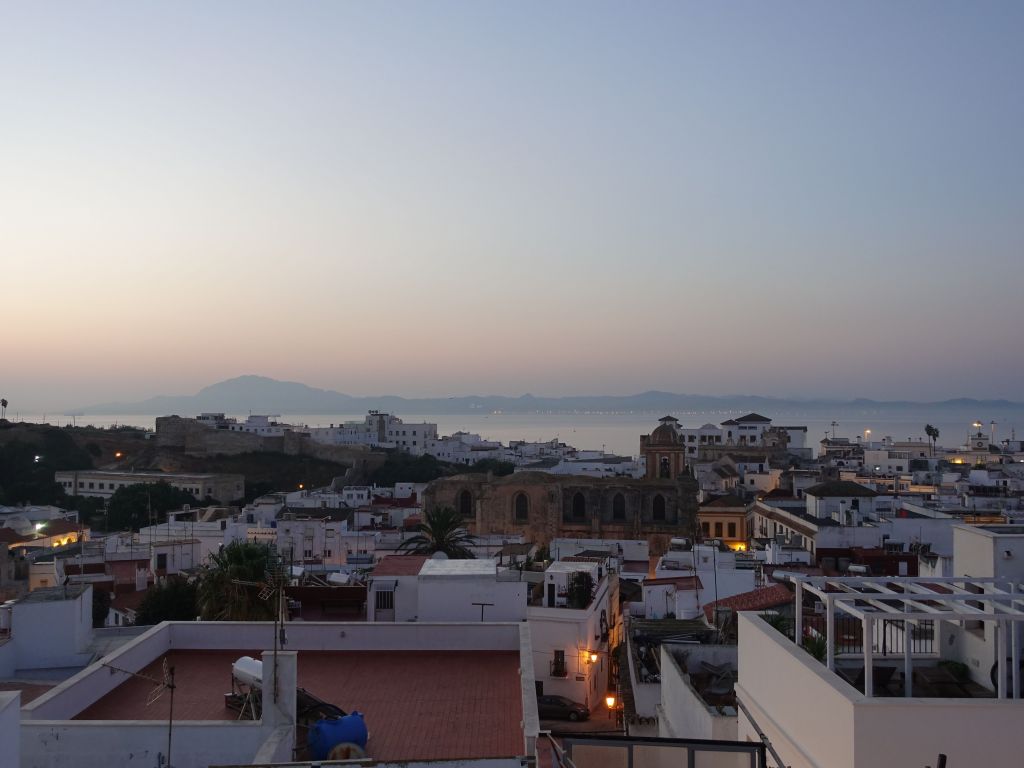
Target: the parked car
(561, 708)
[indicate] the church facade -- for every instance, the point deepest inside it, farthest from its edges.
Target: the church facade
(543, 507)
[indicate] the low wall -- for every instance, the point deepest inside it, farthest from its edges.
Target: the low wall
(682, 713)
(91, 684)
(355, 636)
(46, 744)
(10, 722)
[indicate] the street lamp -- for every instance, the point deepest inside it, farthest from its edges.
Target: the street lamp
(867, 435)
(610, 700)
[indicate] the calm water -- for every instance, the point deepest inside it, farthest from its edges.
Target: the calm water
(620, 432)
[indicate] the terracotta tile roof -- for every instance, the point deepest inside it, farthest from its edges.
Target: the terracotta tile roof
(636, 566)
(419, 705)
(730, 500)
(128, 601)
(756, 600)
(399, 565)
(29, 691)
(751, 418)
(840, 488)
(57, 527)
(680, 582)
(11, 536)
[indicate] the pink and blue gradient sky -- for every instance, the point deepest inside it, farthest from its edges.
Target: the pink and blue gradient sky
(448, 198)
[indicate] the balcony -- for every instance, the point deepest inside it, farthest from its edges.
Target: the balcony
(558, 669)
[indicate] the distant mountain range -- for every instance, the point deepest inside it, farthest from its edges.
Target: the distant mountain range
(260, 394)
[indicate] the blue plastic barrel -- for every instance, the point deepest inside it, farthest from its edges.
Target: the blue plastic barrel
(326, 733)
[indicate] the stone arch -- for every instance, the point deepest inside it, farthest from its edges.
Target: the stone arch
(579, 506)
(521, 507)
(658, 508)
(465, 502)
(618, 507)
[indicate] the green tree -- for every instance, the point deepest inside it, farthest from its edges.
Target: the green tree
(3, 407)
(933, 435)
(174, 600)
(141, 504)
(402, 468)
(101, 599)
(440, 531)
(229, 586)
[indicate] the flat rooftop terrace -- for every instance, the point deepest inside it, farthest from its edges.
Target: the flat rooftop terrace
(423, 705)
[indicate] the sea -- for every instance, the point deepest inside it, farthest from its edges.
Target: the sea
(619, 433)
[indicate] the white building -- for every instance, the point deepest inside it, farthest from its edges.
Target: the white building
(103, 483)
(572, 636)
(903, 698)
(690, 576)
(378, 430)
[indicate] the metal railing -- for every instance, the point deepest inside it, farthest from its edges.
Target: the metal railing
(579, 751)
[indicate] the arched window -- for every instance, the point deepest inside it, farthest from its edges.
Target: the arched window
(579, 506)
(619, 507)
(658, 509)
(664, 468)
(521, 505)
(466, 504)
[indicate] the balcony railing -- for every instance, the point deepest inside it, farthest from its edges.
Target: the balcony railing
(558, 669)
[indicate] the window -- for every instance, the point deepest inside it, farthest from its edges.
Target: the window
(658, 509)
(307, 553)
(619, 507)
(732, 530)
(664, 468)
(161, 561)
(558, 668)
(579, 506)
(718, 529)
(522, 508)
(384, 600)
(705, 528)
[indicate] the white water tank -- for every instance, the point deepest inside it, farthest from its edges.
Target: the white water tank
(249, 671)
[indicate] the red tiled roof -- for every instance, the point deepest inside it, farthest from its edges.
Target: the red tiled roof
(680, 582)
(418, 705)
(400, 565)
(387, 501)
(731, 500)
(756, 600)
(29, 691)
(636, 566)
(11, 536)
(128, 601)
(57, 527)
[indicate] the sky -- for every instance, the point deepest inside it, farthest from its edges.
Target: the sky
(426, 199)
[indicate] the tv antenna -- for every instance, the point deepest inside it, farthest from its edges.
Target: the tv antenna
(165, 684)
(274, 581)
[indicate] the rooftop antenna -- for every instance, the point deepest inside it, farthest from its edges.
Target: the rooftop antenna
(272, 586)
(166, 684)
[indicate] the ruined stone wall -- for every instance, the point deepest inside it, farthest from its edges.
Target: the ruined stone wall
(194, 439)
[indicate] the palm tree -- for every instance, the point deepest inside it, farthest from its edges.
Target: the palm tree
(3, 407)
(229, 586)
(441, 531)
(933, 434)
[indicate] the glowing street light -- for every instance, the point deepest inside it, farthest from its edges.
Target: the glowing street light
(118, 454)
(610, 700)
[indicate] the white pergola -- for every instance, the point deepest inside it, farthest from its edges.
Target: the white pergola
(910, 600)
